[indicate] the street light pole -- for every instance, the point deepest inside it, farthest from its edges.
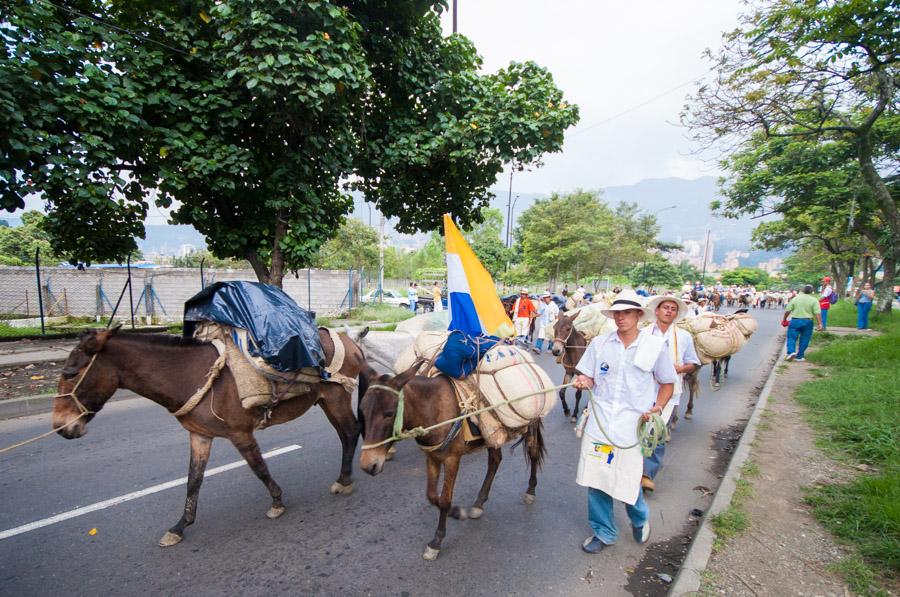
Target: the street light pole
(509, 205)
(454, 16)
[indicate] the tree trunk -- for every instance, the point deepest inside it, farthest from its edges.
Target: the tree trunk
(273, 273)
(884, 295)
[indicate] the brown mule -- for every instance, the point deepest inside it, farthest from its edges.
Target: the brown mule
(168, 370)
(427, 401)
(571, 344)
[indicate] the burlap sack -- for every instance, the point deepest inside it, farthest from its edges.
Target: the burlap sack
(425, 346)
(715, 336)
(508, 372)
(745, 323)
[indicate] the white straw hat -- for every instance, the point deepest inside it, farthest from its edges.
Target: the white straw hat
(625, 300)
(656, 301)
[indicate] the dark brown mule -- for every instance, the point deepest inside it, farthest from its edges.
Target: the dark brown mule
(168, 370)
(691, 383)
(571, 344)
(427, 401)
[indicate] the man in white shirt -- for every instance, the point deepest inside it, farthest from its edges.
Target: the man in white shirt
(668, 311)
(621, 369)
(547, 314)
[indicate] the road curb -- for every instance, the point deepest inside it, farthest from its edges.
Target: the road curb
(689, 576)
(14, 408)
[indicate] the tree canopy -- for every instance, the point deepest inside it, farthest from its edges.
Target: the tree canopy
(252, 119)
(18, 243)
(823, 71)
(656, 272)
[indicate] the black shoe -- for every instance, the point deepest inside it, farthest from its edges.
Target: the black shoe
(592, 545)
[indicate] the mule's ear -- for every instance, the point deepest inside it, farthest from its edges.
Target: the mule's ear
(368, 372)
(97, 341)
(404, 378)
(115, 329)
(362, 334)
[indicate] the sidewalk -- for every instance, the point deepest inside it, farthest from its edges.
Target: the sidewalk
(768, 542)
(34, 351)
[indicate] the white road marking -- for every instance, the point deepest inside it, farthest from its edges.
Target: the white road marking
(133, 495)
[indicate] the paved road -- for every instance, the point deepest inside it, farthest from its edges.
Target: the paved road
(369, 543)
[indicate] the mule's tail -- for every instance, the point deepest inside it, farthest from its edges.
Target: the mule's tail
(535, 448)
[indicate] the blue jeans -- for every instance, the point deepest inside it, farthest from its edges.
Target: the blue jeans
(802, 329)
(862, 315)
(539, 344)
(654, 462)
(412, 306)
(600, 514)
(824, 318)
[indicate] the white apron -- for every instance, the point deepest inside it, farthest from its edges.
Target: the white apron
(670, 408)
(613, 471)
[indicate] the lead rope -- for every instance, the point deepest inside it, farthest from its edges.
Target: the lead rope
(81, 407)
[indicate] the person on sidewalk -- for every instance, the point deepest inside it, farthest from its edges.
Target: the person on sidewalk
(864, 299)
(631, 377)
(825, 300)
(803, 309)
(547, 314)
(412, 295)
(667, 311)
(436, 296)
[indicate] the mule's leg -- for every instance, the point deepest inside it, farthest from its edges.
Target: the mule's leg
(727, 362)
(535, 446)
(562, 393)
(577, 410)
(200, 446)
(444, 502)
(495, 455)
(337, 407)
(249, 449)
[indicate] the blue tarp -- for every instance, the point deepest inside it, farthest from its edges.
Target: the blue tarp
(286, 336)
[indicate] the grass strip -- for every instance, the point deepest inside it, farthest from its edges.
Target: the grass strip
(855, 409)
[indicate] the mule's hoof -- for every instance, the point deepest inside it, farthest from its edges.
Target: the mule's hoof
(390, 453)
(573, 420)
(528, 498)
(170, 539)
(475, 513)
(275, 512)
(340, 489)
(459, 513)
(431, 554)
(566, 413)
(688, 415)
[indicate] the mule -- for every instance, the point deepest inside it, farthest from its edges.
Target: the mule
(168, 370)
(569, 344)
(691, 383)
(427, 401)
(716, 301)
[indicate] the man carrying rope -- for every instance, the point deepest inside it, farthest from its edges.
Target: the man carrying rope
(667, 311)
(631, 378)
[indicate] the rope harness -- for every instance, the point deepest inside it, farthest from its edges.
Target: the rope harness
(83, 410)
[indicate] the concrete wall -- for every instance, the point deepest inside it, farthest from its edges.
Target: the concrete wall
(93, 293)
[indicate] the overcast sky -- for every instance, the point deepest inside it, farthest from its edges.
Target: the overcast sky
(610, 58)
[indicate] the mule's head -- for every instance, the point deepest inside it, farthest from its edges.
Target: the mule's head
(92, 380)
(562, 330)
(377, 412)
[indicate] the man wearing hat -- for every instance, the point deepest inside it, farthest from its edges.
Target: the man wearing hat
(667, 311)
(631, 377)
(523, 312)
(547, 314)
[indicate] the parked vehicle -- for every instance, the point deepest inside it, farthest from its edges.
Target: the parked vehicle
(391, 297)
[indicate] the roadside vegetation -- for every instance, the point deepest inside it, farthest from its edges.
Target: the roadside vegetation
(389, 315)
(853, 405)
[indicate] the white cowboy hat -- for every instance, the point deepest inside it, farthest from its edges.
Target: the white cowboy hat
(656, 301)
(523, 291)
(546, 295)
(625, 300)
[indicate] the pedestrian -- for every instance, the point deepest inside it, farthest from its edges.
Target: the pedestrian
(436, 296)
(524, 312)
(412, 294)
(667, 311)
(631, 377)
(803, 310)
(826, 300)
(547, 314)
(865, 296)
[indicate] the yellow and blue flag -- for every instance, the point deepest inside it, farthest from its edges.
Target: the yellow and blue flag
(474, 305)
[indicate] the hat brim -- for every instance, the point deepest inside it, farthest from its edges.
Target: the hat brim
(656, 301)
(646, 314)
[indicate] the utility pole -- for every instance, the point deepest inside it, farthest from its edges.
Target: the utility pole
(509, 206)
(705, 257)
(381, 259)
(454, 16)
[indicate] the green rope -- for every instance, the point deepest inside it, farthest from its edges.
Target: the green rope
(415, 432)
(649, 433)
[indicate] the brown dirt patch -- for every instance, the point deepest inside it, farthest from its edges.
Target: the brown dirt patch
(784, 551)
(30, 379)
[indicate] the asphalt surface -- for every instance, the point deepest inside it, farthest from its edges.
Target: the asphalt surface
(368, 543)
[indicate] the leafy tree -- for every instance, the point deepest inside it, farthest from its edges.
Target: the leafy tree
(250, 115)
(746, 276)
(355, 246)
(806, 266)
(656, 272)
(484, 238)
(18, 244)
(822, 70)
(195, 258)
